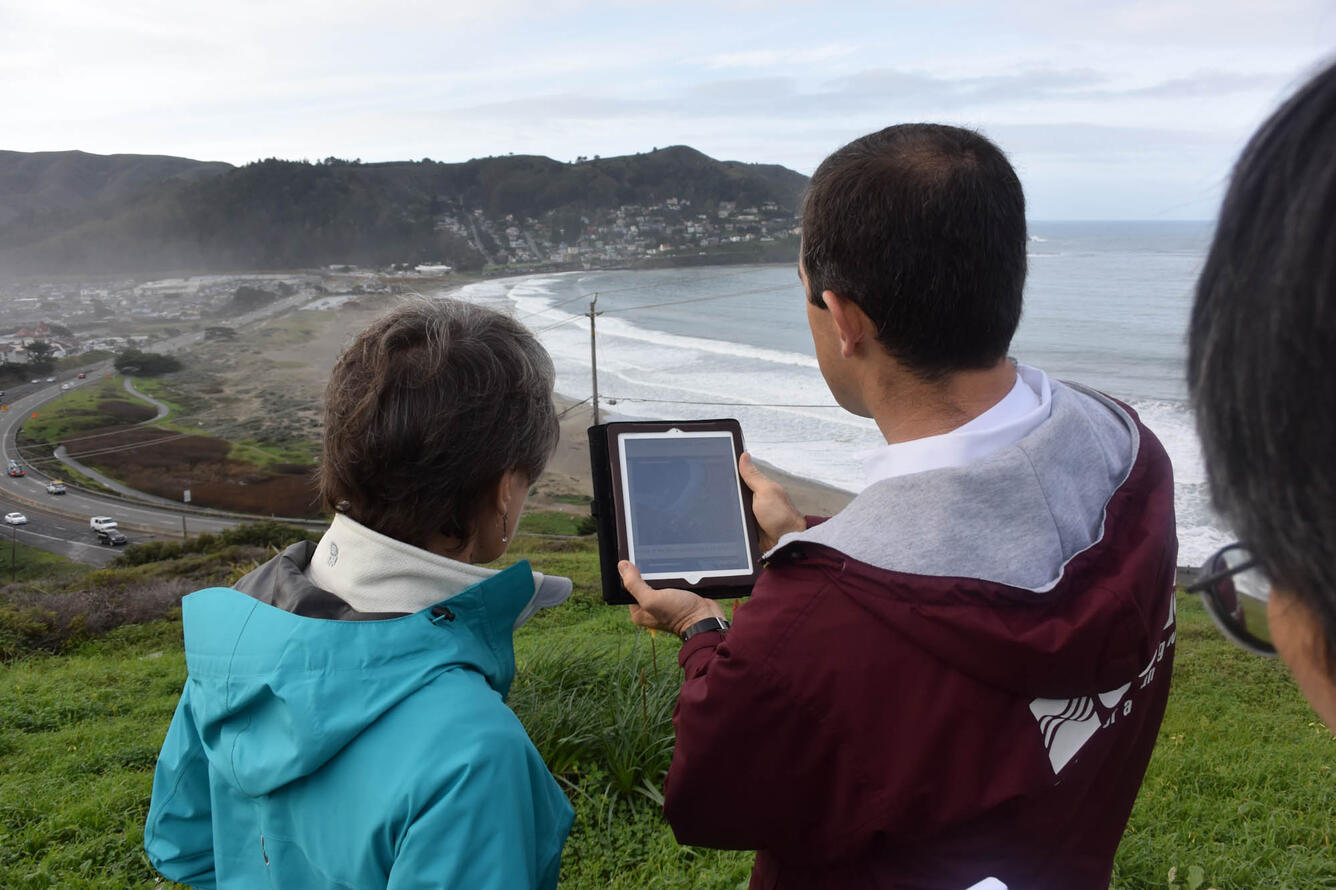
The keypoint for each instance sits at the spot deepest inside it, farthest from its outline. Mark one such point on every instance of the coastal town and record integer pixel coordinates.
(137, 311)
(616, 236)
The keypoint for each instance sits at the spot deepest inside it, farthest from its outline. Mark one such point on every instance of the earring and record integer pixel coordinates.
(505, 522)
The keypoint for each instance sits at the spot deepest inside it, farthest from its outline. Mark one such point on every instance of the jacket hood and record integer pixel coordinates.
(985, 565)
(276, 694)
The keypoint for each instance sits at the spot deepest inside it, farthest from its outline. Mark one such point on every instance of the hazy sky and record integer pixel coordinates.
(1109, 110)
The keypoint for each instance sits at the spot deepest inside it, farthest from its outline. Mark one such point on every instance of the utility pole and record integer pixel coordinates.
(593, 354)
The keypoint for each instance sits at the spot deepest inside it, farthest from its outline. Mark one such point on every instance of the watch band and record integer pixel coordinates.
(704, 626)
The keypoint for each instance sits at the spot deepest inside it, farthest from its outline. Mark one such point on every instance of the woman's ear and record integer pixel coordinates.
(512, 484)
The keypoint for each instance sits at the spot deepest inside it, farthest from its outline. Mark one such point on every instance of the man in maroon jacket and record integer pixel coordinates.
(961, 675)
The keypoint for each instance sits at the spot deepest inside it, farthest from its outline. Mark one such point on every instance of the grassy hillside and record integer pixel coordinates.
(1238, 794)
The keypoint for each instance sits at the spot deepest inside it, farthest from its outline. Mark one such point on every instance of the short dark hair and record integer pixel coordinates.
(1262, 350)
(923, 227)
(425, 412)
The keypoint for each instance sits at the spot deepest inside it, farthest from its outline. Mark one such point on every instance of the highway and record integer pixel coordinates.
(59, 523)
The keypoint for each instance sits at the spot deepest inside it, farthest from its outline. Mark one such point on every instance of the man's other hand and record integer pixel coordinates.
(667, 609)
(774, 512)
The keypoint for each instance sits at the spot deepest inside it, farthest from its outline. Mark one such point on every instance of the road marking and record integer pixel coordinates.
(97, 547)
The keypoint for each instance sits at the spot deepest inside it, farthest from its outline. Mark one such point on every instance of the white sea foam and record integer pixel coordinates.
(1200, 530)
(644, 372)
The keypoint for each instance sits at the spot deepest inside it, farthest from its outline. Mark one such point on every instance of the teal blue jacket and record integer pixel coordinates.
(315, 753)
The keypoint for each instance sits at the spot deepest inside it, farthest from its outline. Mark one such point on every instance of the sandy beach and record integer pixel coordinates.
(306, 357)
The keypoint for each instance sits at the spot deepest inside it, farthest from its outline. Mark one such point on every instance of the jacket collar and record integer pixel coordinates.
(480, 619)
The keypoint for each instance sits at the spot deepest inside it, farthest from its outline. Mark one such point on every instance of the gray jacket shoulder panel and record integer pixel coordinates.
(281, 582)
(1015, 518)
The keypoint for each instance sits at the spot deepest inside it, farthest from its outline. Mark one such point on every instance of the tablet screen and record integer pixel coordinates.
(684, 511)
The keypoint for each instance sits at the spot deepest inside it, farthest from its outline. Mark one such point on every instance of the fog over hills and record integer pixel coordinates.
(71, 212)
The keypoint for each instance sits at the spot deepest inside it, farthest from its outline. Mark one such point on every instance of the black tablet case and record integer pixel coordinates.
(612, 536)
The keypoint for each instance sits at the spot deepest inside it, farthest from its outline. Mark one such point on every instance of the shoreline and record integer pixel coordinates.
(568, 474)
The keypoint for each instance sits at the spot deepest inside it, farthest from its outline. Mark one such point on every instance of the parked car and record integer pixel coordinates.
(16, 519)
(101, 523)
(110, 537)
(55, 486)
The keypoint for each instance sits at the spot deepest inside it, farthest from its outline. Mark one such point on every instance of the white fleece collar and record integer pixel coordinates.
(375, 573)
(1028, 404)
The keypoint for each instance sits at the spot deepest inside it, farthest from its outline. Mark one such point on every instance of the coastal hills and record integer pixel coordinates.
(76, 213)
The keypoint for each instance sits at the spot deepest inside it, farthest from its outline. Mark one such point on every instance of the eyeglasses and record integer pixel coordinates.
(1234, 587)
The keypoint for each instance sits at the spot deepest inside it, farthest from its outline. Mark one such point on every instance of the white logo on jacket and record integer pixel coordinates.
(1066, 724)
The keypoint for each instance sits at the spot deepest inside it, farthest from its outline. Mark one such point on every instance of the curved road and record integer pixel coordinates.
(60, 522)
(163, 408)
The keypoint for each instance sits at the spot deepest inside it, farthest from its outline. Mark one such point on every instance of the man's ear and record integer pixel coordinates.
(850, 320)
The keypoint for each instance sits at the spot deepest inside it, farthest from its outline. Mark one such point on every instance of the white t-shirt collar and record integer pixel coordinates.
(1027, 405)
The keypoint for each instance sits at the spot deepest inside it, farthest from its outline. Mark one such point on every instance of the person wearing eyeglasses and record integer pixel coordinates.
(1262, 374)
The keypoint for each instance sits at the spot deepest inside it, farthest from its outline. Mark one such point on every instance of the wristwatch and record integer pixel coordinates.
(705, 625)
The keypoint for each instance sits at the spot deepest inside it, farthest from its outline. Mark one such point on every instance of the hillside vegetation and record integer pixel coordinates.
(286, 214)
(1238, 794)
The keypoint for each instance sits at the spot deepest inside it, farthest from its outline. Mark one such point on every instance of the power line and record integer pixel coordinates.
(560, 323)
(621, 290)
(569, 408)
(553, 306)
(115, 449)
(740, 293)
(615, 399)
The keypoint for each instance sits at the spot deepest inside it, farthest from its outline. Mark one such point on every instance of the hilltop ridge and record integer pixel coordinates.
(70, 212)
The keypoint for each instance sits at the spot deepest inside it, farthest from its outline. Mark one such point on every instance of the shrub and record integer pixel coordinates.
(269, 535)
(589, 710)
(35, 619)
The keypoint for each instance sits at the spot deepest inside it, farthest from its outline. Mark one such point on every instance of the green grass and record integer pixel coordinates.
(553, 522)
(268, 455)
(1240, 785)
(78, 739)
(32, 564)
(74, 412)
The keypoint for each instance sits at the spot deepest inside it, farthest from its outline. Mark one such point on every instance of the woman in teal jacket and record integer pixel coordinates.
(343, 723)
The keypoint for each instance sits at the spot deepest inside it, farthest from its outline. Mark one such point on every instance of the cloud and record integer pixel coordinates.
(785, 56)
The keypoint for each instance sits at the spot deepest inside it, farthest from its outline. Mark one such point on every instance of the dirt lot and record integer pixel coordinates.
(172, 463)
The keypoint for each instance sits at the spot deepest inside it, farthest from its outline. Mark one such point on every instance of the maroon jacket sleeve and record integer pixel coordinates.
(784, 743)
(738, 778)
(755, 766)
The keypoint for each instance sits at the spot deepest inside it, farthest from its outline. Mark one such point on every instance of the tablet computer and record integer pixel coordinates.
(667, 497)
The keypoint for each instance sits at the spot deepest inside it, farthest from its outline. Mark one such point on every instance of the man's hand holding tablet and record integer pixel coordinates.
(775, 514)
(667, 609)
(676, 610)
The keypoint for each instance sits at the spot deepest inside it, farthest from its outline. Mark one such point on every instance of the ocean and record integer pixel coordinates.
(1106, 304)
